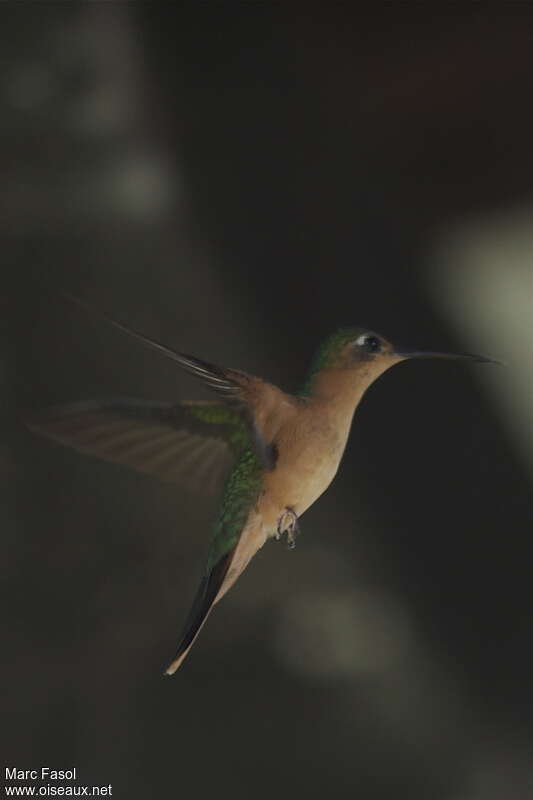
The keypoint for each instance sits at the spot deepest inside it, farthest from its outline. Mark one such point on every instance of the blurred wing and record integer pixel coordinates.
(190, 444)
(237, 389)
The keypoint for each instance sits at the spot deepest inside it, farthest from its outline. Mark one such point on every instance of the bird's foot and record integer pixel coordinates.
(288, 523)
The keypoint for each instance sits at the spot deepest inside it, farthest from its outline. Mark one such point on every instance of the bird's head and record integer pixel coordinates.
(359, 355)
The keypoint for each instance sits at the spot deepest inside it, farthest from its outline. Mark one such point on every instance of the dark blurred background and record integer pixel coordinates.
(237, 180)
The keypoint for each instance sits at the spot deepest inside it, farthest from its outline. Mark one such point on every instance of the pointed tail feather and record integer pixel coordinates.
(203, 603)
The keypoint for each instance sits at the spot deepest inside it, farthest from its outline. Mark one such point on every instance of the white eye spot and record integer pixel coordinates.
(368, 342)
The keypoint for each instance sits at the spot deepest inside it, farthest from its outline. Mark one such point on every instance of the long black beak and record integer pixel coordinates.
(407, 352)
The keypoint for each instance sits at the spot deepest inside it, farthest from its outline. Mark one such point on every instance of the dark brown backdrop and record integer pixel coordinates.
(237, 180)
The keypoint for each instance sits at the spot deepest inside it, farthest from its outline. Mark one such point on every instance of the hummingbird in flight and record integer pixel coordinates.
(278, 451)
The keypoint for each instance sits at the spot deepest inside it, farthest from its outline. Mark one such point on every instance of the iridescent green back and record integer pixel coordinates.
(240, 494)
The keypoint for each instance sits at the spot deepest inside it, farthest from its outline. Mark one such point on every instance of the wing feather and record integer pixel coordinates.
(181, 443)
(235, 388)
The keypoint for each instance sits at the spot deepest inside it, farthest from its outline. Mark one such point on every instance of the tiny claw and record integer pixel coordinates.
(288, 523)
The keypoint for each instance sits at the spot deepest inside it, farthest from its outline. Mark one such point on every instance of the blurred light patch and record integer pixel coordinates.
(346, 634)
(139, 186)
(481, 274)
(503, 771)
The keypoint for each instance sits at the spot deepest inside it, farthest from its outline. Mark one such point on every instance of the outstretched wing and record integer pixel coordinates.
(240, 391)
(191, 444)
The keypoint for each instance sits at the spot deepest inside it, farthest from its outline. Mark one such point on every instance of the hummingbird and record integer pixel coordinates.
(277, 451)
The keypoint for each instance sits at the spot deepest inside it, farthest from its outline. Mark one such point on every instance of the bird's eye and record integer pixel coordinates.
(369, 343)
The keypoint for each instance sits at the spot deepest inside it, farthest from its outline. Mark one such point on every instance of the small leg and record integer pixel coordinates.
(288, 523)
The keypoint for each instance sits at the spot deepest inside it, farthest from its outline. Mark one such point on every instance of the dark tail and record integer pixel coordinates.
(202, 605)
